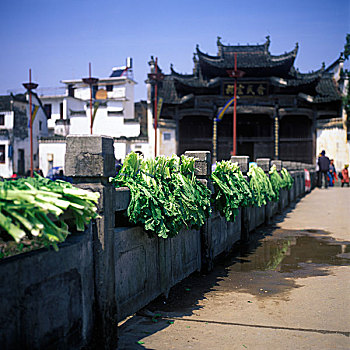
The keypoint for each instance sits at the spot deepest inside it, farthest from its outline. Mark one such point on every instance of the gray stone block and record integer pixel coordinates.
(202, 163)
(122, 198)
(90, 156)
(243, 162)
(278, 164)
(264, 164)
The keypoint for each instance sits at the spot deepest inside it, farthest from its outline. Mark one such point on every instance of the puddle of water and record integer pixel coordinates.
(271, 264)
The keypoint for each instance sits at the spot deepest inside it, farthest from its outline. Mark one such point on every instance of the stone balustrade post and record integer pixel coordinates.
(264, 164)
(242, 161)
(203, 172)
(90, 162)
(278, 164)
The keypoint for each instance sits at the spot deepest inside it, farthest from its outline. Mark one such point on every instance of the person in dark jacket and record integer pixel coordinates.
(323, 163)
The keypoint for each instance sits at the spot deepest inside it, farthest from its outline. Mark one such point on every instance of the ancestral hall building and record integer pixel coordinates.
(277, 107)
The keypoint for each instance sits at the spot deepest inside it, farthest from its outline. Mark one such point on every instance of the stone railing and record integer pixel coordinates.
(74, 297)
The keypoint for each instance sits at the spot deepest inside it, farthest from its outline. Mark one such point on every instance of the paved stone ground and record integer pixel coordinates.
(303, 304)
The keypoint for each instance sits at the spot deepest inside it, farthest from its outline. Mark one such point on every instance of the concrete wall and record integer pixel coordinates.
(75, 296)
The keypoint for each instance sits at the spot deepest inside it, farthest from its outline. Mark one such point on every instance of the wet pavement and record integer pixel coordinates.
(288, 289)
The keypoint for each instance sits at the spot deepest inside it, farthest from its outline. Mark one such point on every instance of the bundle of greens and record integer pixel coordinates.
(231, 189)
(287, 179)
(32, 212)
(260, 185)
(276, 182)
(165, 194)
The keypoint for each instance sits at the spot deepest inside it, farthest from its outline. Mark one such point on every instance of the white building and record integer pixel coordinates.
(333, 135)
(15, 133)
(112, 110)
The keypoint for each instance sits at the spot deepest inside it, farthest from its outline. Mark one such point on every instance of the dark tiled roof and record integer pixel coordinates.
(54, 138)
(167, 90)
(247, 59)
(327, 90)
(5, 101)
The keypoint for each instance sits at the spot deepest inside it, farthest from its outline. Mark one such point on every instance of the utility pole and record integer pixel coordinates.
(90, 81)
(30, 86)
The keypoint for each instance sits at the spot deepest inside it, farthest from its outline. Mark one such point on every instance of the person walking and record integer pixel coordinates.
(323, 163)
(345, 176)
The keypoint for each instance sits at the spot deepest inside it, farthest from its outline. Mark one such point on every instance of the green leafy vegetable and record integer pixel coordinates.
(165, 194)
(287, 179)
(260, 185)
(32, 211)
(231, 189)
(276, 182)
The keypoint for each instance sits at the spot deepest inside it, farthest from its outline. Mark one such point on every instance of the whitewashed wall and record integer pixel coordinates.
(333, 141)
(55, 108)
(6, 168)
(56, 149)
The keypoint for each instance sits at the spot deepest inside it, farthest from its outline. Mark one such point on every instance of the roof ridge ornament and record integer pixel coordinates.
(267, 43)
(218, 42)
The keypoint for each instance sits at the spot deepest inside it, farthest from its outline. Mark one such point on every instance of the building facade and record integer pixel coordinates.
(278, 107)
(113, 114)
(15, 133)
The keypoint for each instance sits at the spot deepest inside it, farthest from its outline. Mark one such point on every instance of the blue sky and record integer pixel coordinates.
(58, 38)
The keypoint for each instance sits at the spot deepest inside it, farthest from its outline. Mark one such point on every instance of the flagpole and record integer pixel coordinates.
(235, 110)
(155, 110)
(31, 126)
(30, 86)
(90, 81)
(235, 74)
(155, 77)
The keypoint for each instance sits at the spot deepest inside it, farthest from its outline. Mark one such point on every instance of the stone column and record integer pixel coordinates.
(90, 162)
(278, 164)
(203, 172)
(264, 164)
(243, 162)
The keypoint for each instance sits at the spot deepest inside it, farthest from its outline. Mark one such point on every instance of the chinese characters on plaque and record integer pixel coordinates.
(246, 89)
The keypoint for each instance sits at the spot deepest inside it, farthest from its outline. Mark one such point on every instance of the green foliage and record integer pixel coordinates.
(260, 185)
(347, 47)
(231, 189)
(32, 212)
(287, 179)
(276, 182)
(165, 194)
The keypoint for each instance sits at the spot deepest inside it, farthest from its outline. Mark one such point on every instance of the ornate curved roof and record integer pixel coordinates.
(253, 59)
(256, 61)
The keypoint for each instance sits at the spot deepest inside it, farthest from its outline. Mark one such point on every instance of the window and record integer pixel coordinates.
(48, 110)
(40, 125)
(2, 119)
(115, 113)
(61, 110)
(70, 90)
(166, 136)
(2, 153)
(109, 87)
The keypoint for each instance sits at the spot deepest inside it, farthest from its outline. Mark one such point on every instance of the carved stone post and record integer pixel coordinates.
(90, 162)
(203, 172)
